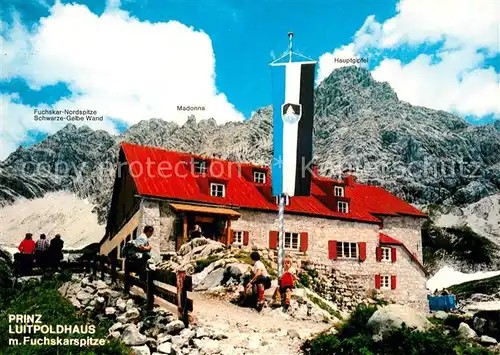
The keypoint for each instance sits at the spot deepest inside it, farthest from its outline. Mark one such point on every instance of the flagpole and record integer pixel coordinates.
(281, 236)
(281, 212)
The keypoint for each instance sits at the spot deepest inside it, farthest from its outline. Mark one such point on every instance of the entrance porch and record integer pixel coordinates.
(215, 222)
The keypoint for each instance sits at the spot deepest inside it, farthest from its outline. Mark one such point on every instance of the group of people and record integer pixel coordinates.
(261, 281)
(41, 253)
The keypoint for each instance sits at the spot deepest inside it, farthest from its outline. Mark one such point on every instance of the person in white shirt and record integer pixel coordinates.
(260, 279)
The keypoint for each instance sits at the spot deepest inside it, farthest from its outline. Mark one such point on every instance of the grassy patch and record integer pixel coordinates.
(487, 286)
(355, 338)
(319, 302)
(201, 264)
(43, 298)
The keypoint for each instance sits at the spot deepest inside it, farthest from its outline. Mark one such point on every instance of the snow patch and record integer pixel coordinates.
(59, 212)
(483, 217)
(447, 277)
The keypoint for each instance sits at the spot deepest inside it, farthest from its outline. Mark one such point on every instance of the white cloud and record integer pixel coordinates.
(113, 63)
(331, 61)
(455, 78)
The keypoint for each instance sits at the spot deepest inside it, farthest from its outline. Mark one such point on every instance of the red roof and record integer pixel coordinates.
(385, 239)
(170, 176)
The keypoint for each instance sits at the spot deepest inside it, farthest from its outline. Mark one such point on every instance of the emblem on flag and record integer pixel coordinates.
(291, 113)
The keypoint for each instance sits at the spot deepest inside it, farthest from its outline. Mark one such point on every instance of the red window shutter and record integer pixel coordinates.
(231, 237)
(304, 241)
(245, 238)
(379, 254)
(377, 282)
(393, 282)
(332, 249)
(393, 254)
(273, 239)
(362, 251)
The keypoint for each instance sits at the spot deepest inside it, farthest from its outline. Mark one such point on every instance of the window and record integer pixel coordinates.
(259, 177)
(347, 250)
(385, 282)
(292, 240)
(200, 166)
(342, 207)
(217, 190)
(338, 191)
(238, 237)
(386, 254)
(287, 200)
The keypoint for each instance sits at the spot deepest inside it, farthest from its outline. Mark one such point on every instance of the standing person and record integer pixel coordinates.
(55, 251)
(286, 283)
(260, 279)
(41, 249)
(25, 256)
(196, 232)
(143, 252)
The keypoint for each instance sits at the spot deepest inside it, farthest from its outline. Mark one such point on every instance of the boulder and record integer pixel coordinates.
(115, 327)
(487, 323)
(132, 315)
(165, 348)
(466, 331)
(140, 350)
(109, 311)
(440, 315)
(131, 336)
(213, 279)
(486, 340)
(175, 327)
(393, 316)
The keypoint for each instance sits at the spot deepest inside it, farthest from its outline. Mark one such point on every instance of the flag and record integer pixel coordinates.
(293, 90)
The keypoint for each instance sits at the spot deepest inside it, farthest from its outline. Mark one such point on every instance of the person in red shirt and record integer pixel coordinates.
(27, 246)
(24, 259)
(286, 283)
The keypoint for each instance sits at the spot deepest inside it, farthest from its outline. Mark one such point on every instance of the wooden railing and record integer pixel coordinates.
(182, 282)
(152, 287)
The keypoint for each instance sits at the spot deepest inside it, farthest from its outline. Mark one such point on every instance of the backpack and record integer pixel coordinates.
(129, 251)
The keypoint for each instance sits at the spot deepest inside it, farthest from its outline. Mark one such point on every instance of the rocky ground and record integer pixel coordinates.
(219, 328)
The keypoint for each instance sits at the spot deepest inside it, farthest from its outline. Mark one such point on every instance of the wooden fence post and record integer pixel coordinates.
(113, 269)
(182, 298)
(126, 280)
(150, 289)
(94, 266)
(103, 266)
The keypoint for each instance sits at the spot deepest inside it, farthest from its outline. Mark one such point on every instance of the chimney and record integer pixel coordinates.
(348, 176)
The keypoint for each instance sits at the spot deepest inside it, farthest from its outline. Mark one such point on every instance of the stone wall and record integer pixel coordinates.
(410, 279)
(408, 230)
(150, 216)
(167, 237)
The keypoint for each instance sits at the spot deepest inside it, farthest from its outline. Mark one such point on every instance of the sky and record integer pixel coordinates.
(134, 60)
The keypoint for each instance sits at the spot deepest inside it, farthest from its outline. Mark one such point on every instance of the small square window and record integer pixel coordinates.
(292, 241)
(259, 177)
(385, 282)
(200, 166)
(217, 190)
(238, 237)
(386, 254)
(342, 207)
(338, 191)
